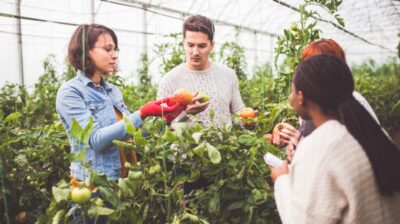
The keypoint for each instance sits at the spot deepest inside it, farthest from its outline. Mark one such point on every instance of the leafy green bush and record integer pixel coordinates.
(380, 85)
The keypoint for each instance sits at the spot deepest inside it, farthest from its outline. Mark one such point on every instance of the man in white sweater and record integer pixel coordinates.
(200, 74)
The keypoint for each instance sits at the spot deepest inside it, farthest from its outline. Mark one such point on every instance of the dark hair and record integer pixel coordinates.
(328, 82)
(83, 40)
(199, 23)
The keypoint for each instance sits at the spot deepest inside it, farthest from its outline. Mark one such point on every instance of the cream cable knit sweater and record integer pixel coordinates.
(330, 180)
(218, 82)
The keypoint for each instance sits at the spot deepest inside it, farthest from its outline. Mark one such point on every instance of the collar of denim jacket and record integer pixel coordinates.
(85, 80)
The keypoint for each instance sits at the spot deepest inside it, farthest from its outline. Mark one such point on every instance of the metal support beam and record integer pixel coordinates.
(19, 39)
(92, 12)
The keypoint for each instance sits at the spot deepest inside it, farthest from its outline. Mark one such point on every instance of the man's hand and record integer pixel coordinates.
(250, 125)
(196, 107)
(278, 171)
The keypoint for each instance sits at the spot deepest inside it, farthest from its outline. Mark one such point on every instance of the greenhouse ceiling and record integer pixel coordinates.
(371, 29)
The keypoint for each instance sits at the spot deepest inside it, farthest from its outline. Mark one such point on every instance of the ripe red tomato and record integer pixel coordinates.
(182, 96)
(247, 112)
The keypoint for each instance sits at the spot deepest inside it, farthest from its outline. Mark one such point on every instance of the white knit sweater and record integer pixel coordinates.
(218, 82)
(330, 180)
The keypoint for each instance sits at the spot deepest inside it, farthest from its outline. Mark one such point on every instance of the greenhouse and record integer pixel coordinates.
(183, 111)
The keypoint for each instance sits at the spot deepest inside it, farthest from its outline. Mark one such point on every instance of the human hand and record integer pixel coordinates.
(250, 124)
(171, 116)
(291, 137)
(196, 107)
(157, 108)
(276, 172)
(283, 134)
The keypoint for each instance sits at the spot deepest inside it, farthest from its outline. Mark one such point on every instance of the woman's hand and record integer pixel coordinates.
(278, 171)
(288, 136)
(158, 108)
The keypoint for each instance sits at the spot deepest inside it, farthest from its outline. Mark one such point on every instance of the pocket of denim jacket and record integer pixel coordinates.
(99, 111)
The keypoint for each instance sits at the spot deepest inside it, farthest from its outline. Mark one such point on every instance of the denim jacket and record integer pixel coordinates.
(81, 98)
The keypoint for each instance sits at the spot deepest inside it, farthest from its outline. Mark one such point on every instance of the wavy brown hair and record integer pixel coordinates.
(83, 40)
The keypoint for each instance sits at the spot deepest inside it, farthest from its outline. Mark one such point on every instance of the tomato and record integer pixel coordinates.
(80, 195)
(28, 178)
(277, 129)
(204, 97)
(293, 26)
(268, 137)
(182, 96)
(247, 112)
(154, 169)
(21, 217)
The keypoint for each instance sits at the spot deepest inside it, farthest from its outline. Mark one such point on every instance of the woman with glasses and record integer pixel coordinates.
(93, 52)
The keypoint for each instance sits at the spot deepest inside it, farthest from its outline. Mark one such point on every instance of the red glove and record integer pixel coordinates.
(154, 108)
(171, 116)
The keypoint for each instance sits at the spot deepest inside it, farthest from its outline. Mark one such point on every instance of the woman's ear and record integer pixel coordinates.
(300, 98)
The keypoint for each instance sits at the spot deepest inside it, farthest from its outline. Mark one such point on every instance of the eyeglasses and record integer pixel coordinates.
(110, 51)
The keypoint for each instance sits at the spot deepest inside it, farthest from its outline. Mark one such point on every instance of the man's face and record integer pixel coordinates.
(197, 49)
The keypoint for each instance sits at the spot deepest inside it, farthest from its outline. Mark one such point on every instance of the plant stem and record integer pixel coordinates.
(3, 189)
(166, 191)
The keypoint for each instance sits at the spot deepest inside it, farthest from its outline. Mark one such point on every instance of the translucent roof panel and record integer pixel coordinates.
(371, 27)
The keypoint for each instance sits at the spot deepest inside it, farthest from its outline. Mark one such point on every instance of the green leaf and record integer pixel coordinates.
(127, 187)
(179, 129)
(76, 130)
(213, 205)
(87, 131)
(12, 117)
(78, 156)
(98, 210)
(199, 150)
(129, 127)
(248, 140)
(98, 179)
(169, 136)
(196, 136)
(58, 217)
(60, 194)
(21, 160)
(139, 139)
(395, 107)
(109, 195)
(212, 114)
(236, 205)
(213, 153)
(134, 175)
